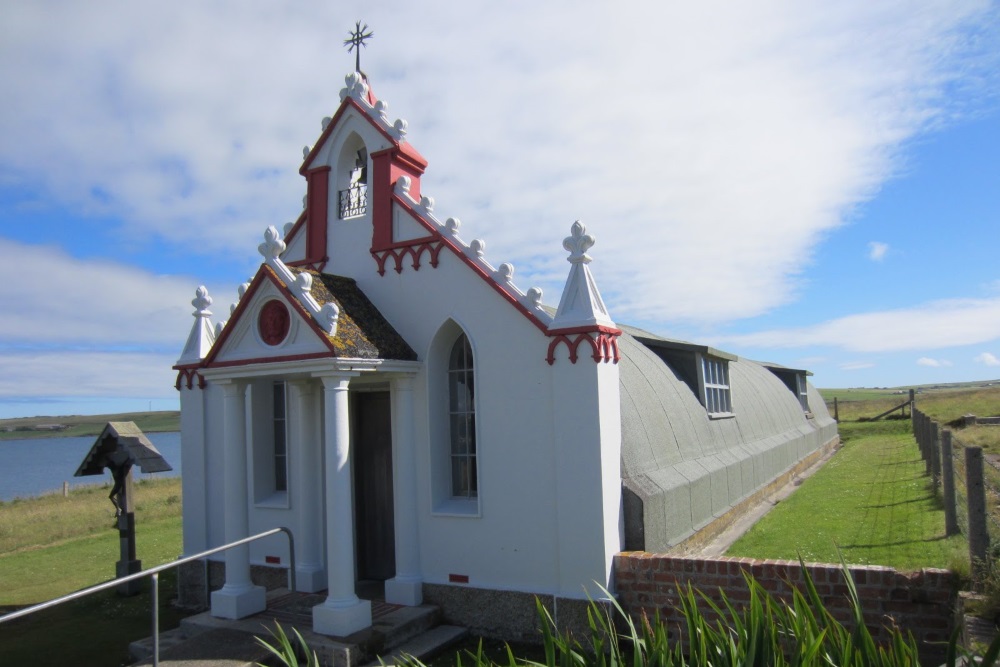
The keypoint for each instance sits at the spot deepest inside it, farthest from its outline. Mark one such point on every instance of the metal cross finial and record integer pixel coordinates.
(357, 39)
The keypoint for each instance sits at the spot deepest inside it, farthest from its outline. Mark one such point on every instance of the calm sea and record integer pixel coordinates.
(41, 465)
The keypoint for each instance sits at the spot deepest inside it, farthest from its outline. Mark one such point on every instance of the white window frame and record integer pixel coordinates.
(716, 391)
(279, 434)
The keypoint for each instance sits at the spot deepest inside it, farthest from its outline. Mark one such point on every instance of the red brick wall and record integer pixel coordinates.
(921, 602)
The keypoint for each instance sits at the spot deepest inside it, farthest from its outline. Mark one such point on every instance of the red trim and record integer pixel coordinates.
(317, 210)
(273, 560)
(604, 345)
(458, 578)
(188, 373)
(388, 166)
(414, 250)
(264, 273)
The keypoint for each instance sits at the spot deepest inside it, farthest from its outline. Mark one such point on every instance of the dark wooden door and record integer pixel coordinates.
(373, 514)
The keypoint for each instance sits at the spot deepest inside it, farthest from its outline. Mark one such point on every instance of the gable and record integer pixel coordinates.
(268, 325)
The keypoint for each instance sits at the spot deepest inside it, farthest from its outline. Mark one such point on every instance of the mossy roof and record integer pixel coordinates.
(362, 331)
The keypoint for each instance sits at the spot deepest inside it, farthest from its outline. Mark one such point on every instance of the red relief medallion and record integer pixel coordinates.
(273, 322)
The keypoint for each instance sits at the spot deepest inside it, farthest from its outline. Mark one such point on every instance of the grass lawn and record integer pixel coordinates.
(51, 546)
(871, 502)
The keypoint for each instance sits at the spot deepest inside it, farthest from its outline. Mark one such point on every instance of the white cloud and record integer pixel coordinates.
(856, 365)
(931, 325)
(54, 300)
(715, 130)
(877, 251)
(987, 359)
(933, 363)
(92, 374)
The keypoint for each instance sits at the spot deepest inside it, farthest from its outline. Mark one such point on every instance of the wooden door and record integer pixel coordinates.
(373, 511)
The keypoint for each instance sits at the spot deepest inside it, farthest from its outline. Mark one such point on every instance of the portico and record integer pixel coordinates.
(320, 453)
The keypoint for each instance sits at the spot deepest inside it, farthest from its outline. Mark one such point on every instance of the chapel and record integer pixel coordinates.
(417, 419)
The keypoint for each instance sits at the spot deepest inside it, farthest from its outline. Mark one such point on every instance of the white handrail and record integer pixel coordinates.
(154, 573)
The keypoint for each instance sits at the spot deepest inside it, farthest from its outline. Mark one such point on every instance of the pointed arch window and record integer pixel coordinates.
(354, 198)
(462, 417)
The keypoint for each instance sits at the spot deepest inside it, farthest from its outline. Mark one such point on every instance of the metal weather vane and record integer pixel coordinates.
(357, 39)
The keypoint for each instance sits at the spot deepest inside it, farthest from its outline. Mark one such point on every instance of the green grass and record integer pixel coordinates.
(871, 503)
(81, 425)
(51, 546)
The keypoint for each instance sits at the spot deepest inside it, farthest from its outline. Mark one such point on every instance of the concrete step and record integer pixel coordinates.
(424, 645)
(403, 624)
(214, 648)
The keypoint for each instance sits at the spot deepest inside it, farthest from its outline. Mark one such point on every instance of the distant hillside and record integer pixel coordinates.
(81, 425)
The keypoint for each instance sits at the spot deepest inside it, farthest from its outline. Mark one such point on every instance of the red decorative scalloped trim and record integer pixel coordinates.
(603, 344)
(186, 376)
(414, 250)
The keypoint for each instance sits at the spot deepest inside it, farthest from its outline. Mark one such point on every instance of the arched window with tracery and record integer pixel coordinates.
(462, 417)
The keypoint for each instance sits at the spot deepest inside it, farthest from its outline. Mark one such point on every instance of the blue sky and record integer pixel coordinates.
(808, 183)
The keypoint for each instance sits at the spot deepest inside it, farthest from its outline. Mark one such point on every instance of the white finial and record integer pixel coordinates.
(305, 152)
(506, 271)
(325, 123)
(286, 230)
(304, 281)
(400, 128)
(328, 316)
(273, 246)
(232, 309)
(427, 203)
(381, 107)
(535, 296)
(452, 225)
(478, 247)
(581, 304)
(403, 185)
(201, 338)
(219, 327)
(201, 302)
(578, 243)
(305, 200)
(242, 289)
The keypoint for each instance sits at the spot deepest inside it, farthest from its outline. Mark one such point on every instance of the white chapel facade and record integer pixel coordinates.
(414, 417)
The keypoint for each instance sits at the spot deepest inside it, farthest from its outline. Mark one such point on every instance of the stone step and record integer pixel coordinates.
(220, 647)
(424, 645)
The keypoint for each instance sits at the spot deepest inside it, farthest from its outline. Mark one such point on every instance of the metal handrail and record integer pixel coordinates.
(154, 573)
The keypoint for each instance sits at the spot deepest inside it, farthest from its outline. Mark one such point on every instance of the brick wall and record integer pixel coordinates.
(921, 602)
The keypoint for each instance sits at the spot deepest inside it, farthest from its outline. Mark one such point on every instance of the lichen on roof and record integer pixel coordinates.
(362, 331)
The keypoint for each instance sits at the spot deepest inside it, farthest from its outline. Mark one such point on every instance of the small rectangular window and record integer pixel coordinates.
(803, 390)
(280, 439)
(715, 374)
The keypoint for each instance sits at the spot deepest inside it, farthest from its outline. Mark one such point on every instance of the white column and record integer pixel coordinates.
(238, 598)
(407, 586)
(307, 456)
(342, 613)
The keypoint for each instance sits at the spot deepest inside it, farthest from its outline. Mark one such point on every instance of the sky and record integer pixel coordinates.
(809, 183)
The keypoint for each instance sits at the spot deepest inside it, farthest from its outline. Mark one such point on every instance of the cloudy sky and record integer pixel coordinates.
(811, 183)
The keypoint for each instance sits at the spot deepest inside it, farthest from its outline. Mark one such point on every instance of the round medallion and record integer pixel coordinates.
(273, 322)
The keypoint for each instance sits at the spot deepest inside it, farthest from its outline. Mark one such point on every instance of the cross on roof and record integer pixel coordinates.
(357, 39)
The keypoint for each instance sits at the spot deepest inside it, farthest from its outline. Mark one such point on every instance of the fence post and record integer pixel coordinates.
(912, 403)
(836, 410)
(948, 484)
(936, 455)
(929, 447)
(979, 538)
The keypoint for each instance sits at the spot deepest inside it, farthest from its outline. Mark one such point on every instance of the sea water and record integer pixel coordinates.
(41, 465)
